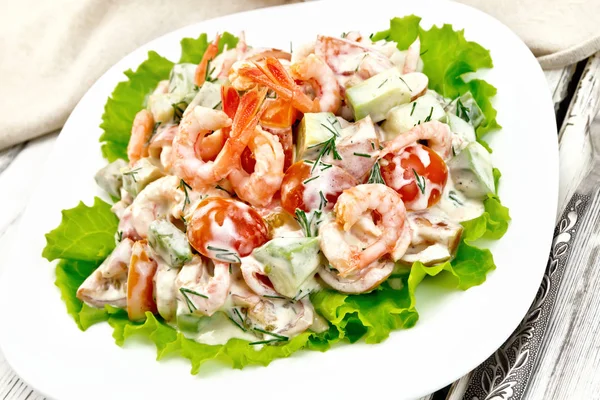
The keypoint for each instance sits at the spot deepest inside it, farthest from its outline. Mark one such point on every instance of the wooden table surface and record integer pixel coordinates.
(569, 368)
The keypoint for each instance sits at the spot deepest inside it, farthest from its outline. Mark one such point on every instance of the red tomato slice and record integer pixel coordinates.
(225, 229)
(309, 188)
(140, 285)
(418, 174)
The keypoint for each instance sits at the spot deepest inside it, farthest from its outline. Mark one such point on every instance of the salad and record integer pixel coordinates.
(266, 200)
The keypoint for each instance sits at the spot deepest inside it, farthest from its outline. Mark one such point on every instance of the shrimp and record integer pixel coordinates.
(161, 144)
(155, 201)
(412, 57)
(365, 281)
(203, 285)
(271, 73)
(165, 292)
(350, 60)
(279, 316)
(108, 283)
(242, 130)
(192, 130)
(392, 232)
(141, 131)
(259, 187)
(223, 62)
(438, 137)
(317, 73)
(210, 53)
(256, 278)
(303, 51)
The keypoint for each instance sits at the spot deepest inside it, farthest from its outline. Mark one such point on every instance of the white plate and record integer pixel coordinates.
(456, 331)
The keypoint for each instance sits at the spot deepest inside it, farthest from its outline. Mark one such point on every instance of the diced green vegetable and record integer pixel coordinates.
(471, 171)
(181, 79)
(140, 175)
(110, 179)
(189, 322)
(378, 94)
(289, 262)
(467, 109)
(461, 128)
(315, 128)
(404, 117)
(169, 242)
(208, 96)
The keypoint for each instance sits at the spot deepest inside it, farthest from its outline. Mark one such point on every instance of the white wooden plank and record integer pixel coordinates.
(571, 370)
(575, 149)
(558, 82)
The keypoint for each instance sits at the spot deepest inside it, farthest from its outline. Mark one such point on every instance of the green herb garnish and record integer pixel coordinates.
(452, 196)
(429, 116)
(307, 224)
(328, 147)
(403, 81)
(420, 181)
(133, 173)
(375, 175)
(184, 186)
(362, 155)
(310, 179)
(178, 110)
(412, 110)
(225, 255)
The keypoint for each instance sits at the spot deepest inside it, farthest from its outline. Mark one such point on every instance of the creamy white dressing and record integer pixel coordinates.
(456, 205)
(218, 329)
(165, 291)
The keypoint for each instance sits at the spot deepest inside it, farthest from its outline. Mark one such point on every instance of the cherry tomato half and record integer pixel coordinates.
(305, 187)
(140, 285)
(418, 174)
(225, 229)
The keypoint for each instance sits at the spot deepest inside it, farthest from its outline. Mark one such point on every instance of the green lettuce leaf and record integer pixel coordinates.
(447, 56)
(126, 100)
(84, 234)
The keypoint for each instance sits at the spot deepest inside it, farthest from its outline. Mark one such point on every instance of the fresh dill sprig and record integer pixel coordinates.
(190, 304)
(412, 110)
(311, 179)
(225, 255)
(323, 202)
(327, 147)
(223, 189)
(462, 111)
(403, 81)
(375, 175)
(133, 173)
(184, 186)
(178, 110)
(310, 226)
(362, 155)
(429, 116)
(452, 196)
(420, 181)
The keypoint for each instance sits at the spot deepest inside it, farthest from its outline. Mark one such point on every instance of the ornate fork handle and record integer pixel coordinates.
(505, 374)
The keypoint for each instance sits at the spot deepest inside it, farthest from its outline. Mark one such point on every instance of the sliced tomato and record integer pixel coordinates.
(417, 173)
(309, 188)
(226, 229)
(140, 285)
(278, 113)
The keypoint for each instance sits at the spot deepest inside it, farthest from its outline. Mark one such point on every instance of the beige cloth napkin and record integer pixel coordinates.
(52, 51)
